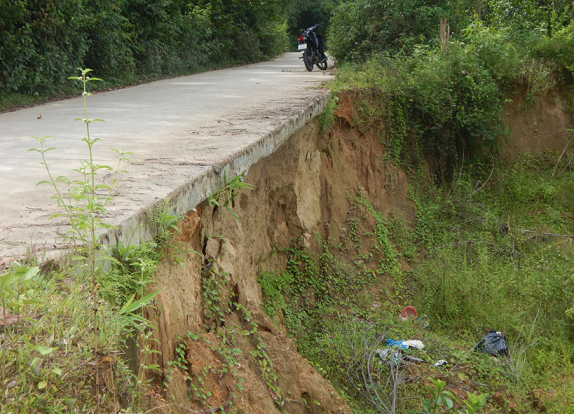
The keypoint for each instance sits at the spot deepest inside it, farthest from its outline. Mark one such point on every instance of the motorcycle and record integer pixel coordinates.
(311, 44)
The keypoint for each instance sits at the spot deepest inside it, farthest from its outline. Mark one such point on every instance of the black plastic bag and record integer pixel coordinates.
(494, 343)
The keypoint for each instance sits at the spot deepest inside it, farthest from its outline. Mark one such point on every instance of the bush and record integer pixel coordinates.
(361, 28)
(44, 40)
(493, 49)
(559, 48)
(430, 104)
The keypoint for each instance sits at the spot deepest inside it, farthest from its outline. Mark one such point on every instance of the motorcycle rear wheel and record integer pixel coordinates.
(322, 65)
(308, 59)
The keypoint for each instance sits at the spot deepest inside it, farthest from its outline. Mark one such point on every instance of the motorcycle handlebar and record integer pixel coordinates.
(312, 28)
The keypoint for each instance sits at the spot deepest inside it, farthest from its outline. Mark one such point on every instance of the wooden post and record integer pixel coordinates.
(444, 34)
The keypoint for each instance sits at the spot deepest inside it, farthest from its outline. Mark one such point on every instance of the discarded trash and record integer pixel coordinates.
(393, 355)
(396, 344)
(389, 355)
(415, 343)
(494, 343)
(412, 359)
(423, 321)
(408, 313)
(383, 353)
(440, 363)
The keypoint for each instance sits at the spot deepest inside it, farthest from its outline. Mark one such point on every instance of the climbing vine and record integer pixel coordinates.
(219, 302)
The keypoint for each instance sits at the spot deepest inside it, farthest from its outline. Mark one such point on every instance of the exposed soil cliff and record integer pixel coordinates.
(300, 189)
(535, 124)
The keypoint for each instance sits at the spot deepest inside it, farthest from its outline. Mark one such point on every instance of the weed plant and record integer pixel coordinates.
(225, 193)
(49, 359)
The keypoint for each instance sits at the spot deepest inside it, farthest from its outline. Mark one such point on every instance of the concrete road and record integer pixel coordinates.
(177, 129)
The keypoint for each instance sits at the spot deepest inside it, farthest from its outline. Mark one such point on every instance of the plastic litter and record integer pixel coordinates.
(392, 355)
(414, 343)
(440, 363)
(389, 355)
(494, 343)
(383, 353)
(408, 312)
(396, 344)
(423, 321)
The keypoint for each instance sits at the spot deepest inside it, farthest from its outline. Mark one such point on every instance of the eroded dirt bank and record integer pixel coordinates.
(300, 189)
(218, 348)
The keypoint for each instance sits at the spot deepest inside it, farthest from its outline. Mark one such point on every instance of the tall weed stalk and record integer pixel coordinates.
(83, 201)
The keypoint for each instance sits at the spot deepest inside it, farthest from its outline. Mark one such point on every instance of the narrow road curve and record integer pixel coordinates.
(176, 129)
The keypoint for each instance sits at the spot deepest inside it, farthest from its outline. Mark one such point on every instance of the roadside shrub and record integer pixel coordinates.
(431, 105)
(559, 48)
(44, 40)
(41, 43)
(107, 33)
(361, 28)
(168, 37)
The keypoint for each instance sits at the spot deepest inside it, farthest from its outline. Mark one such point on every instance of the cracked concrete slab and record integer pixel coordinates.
(183, 133)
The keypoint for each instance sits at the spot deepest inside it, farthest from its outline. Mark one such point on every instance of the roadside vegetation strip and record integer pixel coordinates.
(127, 41)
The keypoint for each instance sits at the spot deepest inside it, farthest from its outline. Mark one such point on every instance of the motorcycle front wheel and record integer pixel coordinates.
(308, 59)
(322, 65)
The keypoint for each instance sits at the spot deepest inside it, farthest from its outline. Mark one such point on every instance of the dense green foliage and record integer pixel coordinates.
(431, 106)
(488, 250)
(42, 41)
(443, 102)
(361, 28)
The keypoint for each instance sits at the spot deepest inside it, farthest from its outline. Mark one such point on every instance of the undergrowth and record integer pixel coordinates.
(489, 250)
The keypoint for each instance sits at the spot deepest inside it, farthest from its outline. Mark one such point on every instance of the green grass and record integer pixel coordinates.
(49, 364)
(486, 251)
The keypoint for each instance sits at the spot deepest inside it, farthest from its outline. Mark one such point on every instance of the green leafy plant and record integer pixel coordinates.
(84, 201)
(12, 293)
(226, 192)
(442, 398)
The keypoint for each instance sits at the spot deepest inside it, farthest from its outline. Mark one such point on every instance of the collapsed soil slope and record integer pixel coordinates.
(300, 189)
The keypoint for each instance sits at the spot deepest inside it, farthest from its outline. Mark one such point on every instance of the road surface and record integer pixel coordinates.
(177, 129)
